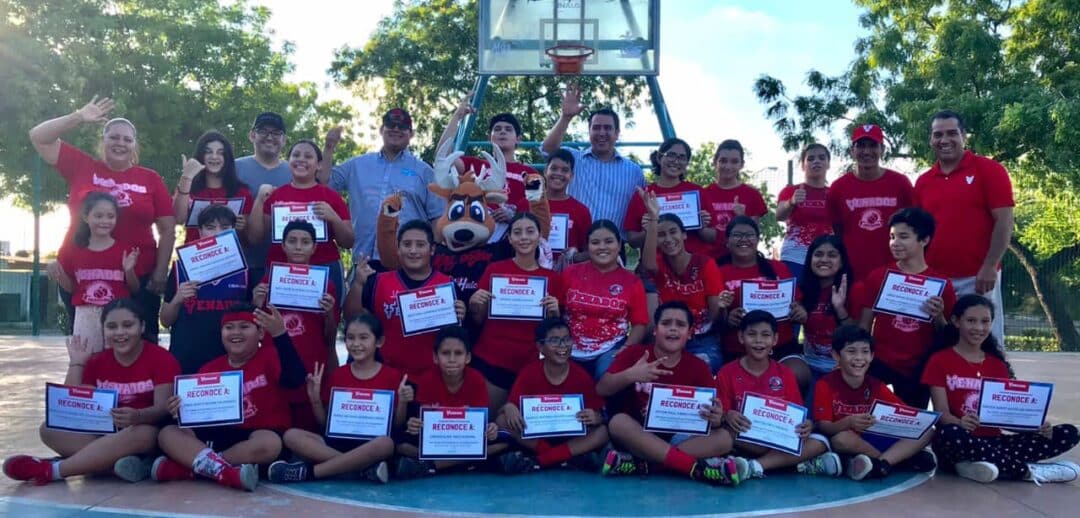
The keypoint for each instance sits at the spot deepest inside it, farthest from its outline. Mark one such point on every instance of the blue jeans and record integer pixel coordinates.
(707, 347)
(599, 365)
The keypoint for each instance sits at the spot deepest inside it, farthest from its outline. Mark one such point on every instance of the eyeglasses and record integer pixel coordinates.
(563, 342)
(675, 157)
(744, 236)
(396, 126)
(270, 133)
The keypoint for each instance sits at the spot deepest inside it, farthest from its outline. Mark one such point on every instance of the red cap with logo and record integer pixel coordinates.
(870, 131)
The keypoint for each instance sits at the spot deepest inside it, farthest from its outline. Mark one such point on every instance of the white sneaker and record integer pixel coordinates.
(984, 472)
(1059, 471)
(756, 471)
(859, 467)
(827, 464)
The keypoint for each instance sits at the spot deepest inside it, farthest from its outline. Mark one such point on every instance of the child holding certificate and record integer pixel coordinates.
(554, 375)
(558, 174)
(529, 293)
(325, 456)
(209, 179)
(669, 167)
(981, 453)
(98, 269)
(313, 333)
(141, 372)
(234, 451)
(842, 403)
(904, 333)
(638, 371)
(746, 263)
(192, 312)
(452, 384)
(760, 375)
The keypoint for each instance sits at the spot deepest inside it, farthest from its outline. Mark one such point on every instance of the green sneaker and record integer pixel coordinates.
(619, 463)
(827, 464)
(716, 471)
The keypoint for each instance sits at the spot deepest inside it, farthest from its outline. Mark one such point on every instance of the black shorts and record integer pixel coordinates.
(343, 445)
(497, 376)
(221, 438)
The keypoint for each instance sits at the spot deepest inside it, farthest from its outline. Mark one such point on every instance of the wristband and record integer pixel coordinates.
(178, 191)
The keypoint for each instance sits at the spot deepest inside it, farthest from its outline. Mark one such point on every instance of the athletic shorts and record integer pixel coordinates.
(343, 445)
(879, 442)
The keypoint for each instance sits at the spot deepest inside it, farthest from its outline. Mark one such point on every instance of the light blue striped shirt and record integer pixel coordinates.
(605, 187)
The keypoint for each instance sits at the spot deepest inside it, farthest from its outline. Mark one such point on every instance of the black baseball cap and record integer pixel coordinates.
(270, 119)
(399, 117)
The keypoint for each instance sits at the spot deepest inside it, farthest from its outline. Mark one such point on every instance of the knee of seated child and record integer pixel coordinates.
(294, 435)
(621, 423)
(267, 445)
(383, 445)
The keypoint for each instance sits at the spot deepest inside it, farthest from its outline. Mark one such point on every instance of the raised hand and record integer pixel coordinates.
(571, 101)
(645, 371)
(129, 259)
(726, 298)
(185, 291)
(464, 106)
(839, 293)
(270, 322)
(493, 177)
(405, 391)
(652, 207)
(391, 206)
(241, 223)
(190, 167)
(96, 110)
(362, 270)
(264, 191)
(314, 382)
(799, 196)
(738, 208)
(333, 137)
(78, 350)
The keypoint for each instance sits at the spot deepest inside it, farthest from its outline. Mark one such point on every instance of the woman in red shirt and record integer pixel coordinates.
(729, 196)
(669, 164)
(209, 178)
(802, 208)
(142, 375)
(141, 194)
(506, 344)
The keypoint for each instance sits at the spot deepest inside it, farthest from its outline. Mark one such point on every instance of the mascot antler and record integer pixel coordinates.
(493, 178)
(445, 176)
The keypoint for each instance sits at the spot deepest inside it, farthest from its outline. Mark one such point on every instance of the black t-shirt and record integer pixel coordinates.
(467, 267)
(196, 335)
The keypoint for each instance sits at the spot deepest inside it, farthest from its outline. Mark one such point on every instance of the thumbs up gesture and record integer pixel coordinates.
(738, 208)
(405, 391)
(799, 196)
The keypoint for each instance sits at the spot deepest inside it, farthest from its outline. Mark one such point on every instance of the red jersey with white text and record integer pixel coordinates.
(818, 330)
(601, 307)
(862, 209)
(834, 399)
(265, 405)
(733, 278)
(98, 274)
(431, 390)
(636, 210)
(808, 221)
(691, 371)
(388, 378)
(326, 251)
(720, 203)
(532, 381)
(734, 381)
(509, 344)
(962, 381)
(134, 383)
(411, 354)
(701, 279)
(216, 196)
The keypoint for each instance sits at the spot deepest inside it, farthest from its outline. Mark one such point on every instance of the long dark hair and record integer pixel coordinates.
(950, 335)
(125, 303)
(82, 232)
(765, 266)
(229, 179)
(654, 157)
(809, 283)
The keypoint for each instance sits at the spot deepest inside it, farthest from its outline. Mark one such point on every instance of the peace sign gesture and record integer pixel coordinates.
(96, 110)
(314, 383)
(645, 371)
(362, 270)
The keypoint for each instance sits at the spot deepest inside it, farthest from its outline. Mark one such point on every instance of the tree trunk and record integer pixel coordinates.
(1049, 292)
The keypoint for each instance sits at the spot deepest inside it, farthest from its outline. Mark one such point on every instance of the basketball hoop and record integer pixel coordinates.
(569, 59)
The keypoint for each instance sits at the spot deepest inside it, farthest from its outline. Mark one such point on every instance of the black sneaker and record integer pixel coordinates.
(378, 473)
(409, 467)
(716, 471)
(924, 461)
(619, 463)
(517, 462)
(282, 472)
(590, 462)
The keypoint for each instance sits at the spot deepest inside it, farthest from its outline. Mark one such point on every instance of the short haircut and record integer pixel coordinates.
(757, 316)
(730, 144)
(366, 319)
(605, 111)
(677, 305)
(949, 114)
(505, 117)
(848, 334)
(548, 325)
(298, 224)
(561, 154)
(919, 220)
(417, 224)
(452, 333)
(217, 214)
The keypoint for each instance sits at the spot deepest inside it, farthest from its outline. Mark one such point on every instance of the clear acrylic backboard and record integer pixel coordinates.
(515, 35)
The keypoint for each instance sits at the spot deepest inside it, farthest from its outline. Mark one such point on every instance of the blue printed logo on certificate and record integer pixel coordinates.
(212, 258)
(79, 409)
(553, 415)
(210, 399)
(298, 287)
(359, 413)
(772, 423)
(1014, 404)
(453, 433)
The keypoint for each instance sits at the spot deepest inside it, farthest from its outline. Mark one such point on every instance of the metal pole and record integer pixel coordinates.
(662, 115)
(465, 129)
(35, 296)
(790, 172)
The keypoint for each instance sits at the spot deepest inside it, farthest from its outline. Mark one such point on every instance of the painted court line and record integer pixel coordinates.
(102, 509)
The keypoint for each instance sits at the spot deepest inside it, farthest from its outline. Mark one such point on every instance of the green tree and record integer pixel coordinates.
(1012, 69)
(423, 57)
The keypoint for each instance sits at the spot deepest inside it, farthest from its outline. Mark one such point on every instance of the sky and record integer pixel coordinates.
(711, 53)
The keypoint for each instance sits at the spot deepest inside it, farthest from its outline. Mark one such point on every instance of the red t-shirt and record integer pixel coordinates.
(720, 202)
(808, 221)
(265, 404)
(509, 344)
(962, 381)
(734, 381)
(307, 331)
(961, 204)
(98, 276)
(691, 371)
(411, 354)
(636, 210)
(216, 196)
(601, 307)
(701, 280)
(531, 381)
(515, 179)
(431, 390)
(900, 342)
(733, 277)
(578, 221)
(388, 378)
(134, 384)
(862, 209)
(834, 399)
(326, 251)
(140, 193)
(818, 330)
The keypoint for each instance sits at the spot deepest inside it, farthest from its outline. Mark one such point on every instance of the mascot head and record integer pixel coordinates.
(466, 223)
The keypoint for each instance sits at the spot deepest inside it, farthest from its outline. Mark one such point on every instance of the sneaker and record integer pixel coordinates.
(984, 472)
(409, 467)
(924, 461)
(25, 467)
(619, 463)
(1059, 471)
(378, 473)
(281, 472)
(827, 464)
(165, 469)
(517, 462)
(244, 476)
(859, 467)
(133, 468)
(756, 471)
(716, 471)
(590, 462)
(742, 469)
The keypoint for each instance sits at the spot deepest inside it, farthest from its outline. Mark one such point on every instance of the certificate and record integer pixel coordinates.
(685, 205)
(677, 409)
(773, 422)
(197, 206)
(212, 258)
(552, 415)
(560, 229)
(298, 286)
(282, 213)
(359, 413)
(772, 296)
(1012, 404)
(901, 421)
(517, 297)
(453, 433)
(903, 294)
(210, 399)
(79, 409)
(427, 309)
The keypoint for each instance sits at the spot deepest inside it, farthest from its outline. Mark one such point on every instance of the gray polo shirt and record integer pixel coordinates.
(370, 178)
(254, 175)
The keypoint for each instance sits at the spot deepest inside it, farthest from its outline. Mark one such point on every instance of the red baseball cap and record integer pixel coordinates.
(870, 131)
